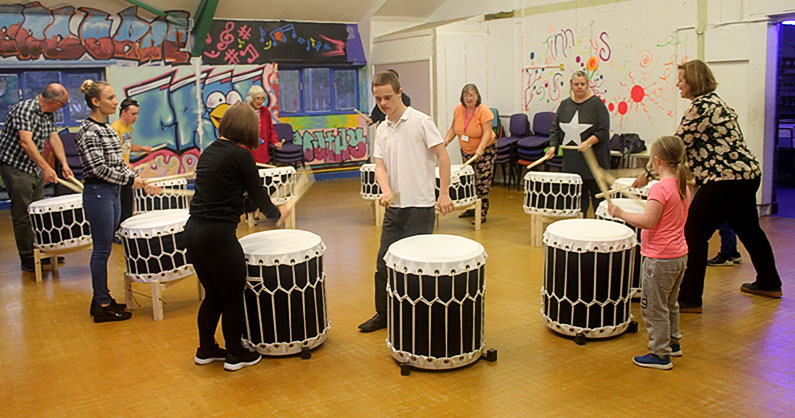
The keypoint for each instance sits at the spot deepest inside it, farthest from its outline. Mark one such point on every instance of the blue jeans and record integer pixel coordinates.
(102, 205)
(728, 239)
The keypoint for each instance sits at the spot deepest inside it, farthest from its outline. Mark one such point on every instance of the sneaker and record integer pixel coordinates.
(736, 258)
(245, 358)
(755, 290)
(373, 324)
(469, 213)
(653, 361)
(108, 314)
(688, 308)
(113, 305)
(676, 350)
(209, 355)
(721, 260)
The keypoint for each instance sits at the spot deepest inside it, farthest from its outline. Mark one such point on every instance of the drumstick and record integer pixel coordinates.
(617, 190)
(569, 147)
(304, 181)
(263, 165)
(469, 161)
(76, 182)
(139, 153)
(361, 114)
(69, 185)
(164, 178)
(593, 164)
(539, 161)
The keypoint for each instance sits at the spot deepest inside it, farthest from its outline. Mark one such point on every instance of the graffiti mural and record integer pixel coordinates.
(634, 83)
(233, 42)
(31, 31)
(343, 145)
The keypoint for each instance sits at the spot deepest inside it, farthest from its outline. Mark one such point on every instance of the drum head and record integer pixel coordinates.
(56, 203)
(435, 254)
(155, 223)
(589, 235)
(367, 167)
(546, 177)
(281, 246)
(276, 171)
(629, 205)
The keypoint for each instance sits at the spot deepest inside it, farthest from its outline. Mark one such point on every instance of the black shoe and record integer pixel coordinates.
(244, 358)
(108, 314)
(29, 267)
(721, 260)
(482, 220)
(373, 324)
(120, 307)
(117, 239)
(209, 355)
(46, 261)
(469, 213)
(688, 308)
(753, 289)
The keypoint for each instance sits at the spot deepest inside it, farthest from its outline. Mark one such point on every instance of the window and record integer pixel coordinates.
(318, 90)
(16, 85)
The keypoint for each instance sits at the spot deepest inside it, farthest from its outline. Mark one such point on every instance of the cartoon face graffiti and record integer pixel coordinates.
(217, 103)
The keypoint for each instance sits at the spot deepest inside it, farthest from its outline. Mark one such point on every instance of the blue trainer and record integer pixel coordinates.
(653, 361)
(676, 350)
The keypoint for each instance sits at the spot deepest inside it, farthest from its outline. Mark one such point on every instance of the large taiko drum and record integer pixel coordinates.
(462, 185)
(588, 265)
(630, 206)
(279, 183)
(553, 194)
(154, 247)
(144, 202)
(435, 289)
(369, 187)
(59, 223)
(285, 295)
(626, 183)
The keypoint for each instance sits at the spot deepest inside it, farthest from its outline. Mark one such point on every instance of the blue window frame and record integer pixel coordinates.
(312, 91)
(17, 85)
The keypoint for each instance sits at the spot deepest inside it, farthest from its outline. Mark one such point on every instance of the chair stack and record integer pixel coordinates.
(506, 156)
(534, 147)
(291, 153)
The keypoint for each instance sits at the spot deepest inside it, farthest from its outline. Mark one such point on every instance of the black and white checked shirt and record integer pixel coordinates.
(25, 116)
(100, 152)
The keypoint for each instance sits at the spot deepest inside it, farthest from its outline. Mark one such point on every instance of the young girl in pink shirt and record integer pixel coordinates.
(664, 250)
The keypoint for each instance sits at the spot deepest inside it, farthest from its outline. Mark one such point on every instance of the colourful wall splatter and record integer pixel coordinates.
(330, 141)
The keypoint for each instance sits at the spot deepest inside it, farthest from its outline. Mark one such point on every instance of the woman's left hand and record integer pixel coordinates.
(278, 145)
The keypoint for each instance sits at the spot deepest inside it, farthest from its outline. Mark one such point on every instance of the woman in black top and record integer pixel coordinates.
(225, 173)
(582, 120)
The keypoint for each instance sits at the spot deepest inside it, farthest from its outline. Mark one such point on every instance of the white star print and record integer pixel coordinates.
(573, 129)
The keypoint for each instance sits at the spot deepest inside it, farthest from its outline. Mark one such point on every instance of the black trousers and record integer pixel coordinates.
(733, 201)
(399, 223)
(218, 259)
(126, 195)
(589, 191)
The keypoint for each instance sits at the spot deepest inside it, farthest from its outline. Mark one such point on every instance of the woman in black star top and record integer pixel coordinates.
(225, 173)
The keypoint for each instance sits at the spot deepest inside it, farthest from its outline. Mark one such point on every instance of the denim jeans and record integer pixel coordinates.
(728, 240)
(102, 206)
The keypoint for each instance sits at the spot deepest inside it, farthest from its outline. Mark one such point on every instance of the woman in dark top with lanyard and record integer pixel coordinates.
(225, 173)
(582, 120)
(727, 175)
(104, 172)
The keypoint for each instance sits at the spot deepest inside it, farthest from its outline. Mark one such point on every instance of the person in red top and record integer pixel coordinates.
(664, 250)
(256, 99)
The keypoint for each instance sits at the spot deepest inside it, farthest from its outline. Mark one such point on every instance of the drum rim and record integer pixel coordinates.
(276, 170)
(293, 257)
(621, 202)
(178, 273)
(625, 240)
(400, 262)
(571, 178)
(162, 228)
(56, 202)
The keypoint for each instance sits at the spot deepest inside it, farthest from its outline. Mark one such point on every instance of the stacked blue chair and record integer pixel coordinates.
(496, 123)
(506, 147)
(291, 153)
(533, 147)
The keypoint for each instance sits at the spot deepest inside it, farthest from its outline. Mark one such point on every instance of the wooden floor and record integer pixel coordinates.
(54, 361)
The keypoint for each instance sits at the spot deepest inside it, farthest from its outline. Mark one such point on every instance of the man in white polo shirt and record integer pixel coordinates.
(407, 148)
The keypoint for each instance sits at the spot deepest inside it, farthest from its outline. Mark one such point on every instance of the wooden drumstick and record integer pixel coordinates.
(76, 182)
(611, 192)
(570, 147)
(539, 161)
(263, 165)
(361, 114)
(69, 185)
(469, 161)
(140, 153)
(173, 177)
(304, 181)
(593, 165)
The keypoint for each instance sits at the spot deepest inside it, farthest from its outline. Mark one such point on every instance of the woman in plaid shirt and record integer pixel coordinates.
(104, 172)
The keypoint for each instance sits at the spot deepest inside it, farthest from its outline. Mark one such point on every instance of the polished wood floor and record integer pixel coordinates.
(738, 356)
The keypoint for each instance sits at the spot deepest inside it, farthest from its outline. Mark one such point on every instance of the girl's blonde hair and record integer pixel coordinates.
(671, 150)
(92, 90)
